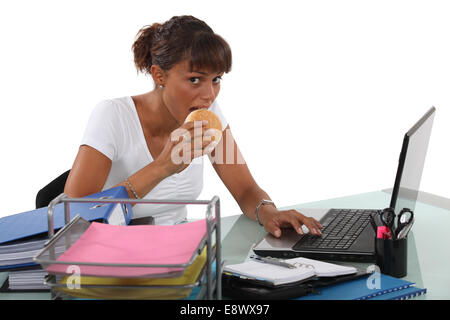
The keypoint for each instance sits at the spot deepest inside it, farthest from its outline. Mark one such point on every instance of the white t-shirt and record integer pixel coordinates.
(114, 129)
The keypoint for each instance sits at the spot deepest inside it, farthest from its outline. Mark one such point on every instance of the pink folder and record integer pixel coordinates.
(141, 244)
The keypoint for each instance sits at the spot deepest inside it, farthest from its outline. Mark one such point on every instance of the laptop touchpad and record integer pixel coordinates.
(288, 238)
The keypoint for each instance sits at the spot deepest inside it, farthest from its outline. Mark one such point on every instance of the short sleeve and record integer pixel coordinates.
(102, 131)
(216, 109)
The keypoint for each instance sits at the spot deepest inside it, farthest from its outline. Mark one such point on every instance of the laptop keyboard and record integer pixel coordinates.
(340, 229)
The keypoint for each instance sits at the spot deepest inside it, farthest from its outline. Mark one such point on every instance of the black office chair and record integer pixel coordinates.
(51, 191)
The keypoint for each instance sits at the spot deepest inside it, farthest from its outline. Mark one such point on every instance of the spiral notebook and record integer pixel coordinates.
(278, 275)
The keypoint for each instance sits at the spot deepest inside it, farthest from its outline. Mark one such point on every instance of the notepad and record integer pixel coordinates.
(278, 275)
(138, 245)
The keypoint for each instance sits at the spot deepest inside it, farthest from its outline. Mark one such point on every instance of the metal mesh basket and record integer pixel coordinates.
(167, 280)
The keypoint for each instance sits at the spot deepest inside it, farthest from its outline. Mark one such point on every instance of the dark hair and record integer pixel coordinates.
(180, 38)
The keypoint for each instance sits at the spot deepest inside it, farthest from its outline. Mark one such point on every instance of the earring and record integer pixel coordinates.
(161, 86)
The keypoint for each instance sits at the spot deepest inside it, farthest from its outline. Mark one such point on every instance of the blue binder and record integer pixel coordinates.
(25, 225)
(30, 226)
(360, 290)
(404, 294)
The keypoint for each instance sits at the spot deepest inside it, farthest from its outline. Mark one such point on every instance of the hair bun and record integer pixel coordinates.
(143, 45)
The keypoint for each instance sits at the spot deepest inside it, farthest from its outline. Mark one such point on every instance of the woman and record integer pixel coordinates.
(130, 141)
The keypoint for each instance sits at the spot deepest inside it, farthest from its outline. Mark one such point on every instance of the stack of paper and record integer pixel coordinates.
(126, 251)
(20, 254)
(135, 288)
(24, 280)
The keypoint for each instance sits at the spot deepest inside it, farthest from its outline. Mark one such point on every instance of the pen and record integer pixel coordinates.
(273, 261)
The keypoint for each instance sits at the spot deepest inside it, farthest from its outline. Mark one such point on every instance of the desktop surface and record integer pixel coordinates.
(428, 256)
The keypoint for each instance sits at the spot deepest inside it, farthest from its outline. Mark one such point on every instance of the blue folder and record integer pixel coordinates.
(31, 223)
(404, 294)
(361, 289)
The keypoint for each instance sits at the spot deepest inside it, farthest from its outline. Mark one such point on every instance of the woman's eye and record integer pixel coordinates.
(217, 79)
(194, 80)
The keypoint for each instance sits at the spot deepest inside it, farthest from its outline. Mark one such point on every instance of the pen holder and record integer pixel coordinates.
(392, 256)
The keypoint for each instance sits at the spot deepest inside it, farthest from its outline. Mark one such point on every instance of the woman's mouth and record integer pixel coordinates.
(197, 108)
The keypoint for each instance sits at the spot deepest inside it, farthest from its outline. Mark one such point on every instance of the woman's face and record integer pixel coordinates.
(185, 90)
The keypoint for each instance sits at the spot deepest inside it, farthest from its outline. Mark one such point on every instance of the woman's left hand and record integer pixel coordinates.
(273, 220)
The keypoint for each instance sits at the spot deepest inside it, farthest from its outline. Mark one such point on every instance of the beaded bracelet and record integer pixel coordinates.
(131, 188)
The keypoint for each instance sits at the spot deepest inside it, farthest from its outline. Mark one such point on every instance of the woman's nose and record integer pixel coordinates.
(208, 93)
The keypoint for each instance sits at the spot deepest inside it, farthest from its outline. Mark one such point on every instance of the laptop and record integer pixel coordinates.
(347, 234)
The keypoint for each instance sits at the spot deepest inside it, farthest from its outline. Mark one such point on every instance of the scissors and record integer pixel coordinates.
(387, 217)
(405, 220)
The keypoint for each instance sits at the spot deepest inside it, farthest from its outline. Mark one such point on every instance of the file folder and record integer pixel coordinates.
(20, 233)
(137, 288)
(25, 225)
(128, 251)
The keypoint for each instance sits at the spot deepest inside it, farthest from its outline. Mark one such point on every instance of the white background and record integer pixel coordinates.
(319, 97)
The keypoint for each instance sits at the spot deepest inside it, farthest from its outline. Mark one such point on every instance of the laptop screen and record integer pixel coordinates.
(411, 162)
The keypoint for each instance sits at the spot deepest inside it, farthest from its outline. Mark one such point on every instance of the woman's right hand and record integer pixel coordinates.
(184, 144)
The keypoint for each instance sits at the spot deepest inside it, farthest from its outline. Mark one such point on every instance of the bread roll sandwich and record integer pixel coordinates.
(213, 128)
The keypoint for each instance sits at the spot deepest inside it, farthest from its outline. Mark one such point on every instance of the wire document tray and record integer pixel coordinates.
(199, 278)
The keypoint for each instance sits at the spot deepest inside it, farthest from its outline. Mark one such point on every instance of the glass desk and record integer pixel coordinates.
(428, 243)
